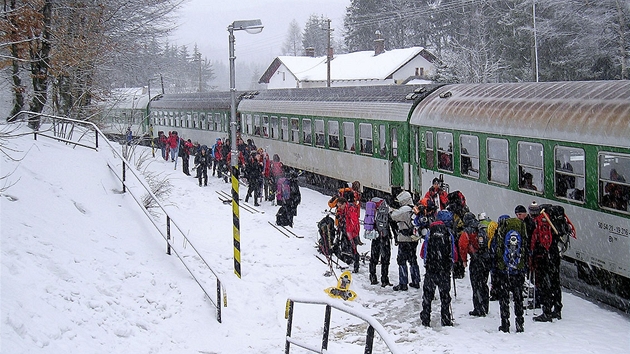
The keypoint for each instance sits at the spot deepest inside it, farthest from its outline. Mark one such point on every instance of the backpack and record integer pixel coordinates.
(438, 248)
(482, 237)
(562, 224)
(510, 251)
(283, 190)
(543, 233)
(456, 201)
(446, 217)
(368, 221)
(381, 219)
(326, 229)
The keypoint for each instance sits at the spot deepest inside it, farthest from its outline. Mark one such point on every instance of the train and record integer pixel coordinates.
(502, 144)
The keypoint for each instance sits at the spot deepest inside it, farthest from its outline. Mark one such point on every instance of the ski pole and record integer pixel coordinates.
(454, 287)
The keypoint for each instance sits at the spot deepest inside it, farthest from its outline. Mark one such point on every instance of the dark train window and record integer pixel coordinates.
(445, 151)
(333, 134)
(365, 134)
(256, 124)
(320, 138)
(469, 155)
(498, 163)
(429, 149)
(275, 132)
(307, 136)
(569, 173)
(284, 128)
(202, 120)
(530, 166)
(217, 121)
(348, 136)
(614, 189)
(382, 140)
(295, 130)
(265, 132)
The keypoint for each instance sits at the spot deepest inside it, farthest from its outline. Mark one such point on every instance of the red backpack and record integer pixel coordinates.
(543, 233)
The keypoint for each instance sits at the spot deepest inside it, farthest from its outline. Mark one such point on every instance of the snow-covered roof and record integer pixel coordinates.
(362, 65)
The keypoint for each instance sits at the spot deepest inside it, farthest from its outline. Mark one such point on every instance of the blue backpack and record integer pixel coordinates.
(446, 217)
(512, 252)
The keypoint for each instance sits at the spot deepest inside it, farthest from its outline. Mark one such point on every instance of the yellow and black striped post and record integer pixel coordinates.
(236, 224)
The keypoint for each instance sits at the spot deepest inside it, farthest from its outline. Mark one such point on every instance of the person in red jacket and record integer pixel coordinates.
(173, 144)
(473, 242)
(349, 226)
(164, 145)
(436, 192)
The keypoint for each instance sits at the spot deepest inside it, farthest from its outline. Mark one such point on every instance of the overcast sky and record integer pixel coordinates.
(205, 22)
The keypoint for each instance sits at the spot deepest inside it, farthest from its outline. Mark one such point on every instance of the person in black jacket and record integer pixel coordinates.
(295, 198)
(253, 171)
(438, 252)
(201, 162)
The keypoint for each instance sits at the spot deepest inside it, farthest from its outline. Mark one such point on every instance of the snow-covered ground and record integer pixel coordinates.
(84, 271)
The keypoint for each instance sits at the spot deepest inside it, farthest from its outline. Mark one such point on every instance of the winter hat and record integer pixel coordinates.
(534, 208)
(503, 217)
(520, 209)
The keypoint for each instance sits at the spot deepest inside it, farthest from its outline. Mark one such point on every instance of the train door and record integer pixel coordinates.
(395, 157)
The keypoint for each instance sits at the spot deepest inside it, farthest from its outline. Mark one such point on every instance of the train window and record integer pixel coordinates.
(256, 124)
(382, 140)
(284, 128)
(217, 122)
(320, 138)
(429, 149)
(498, 165)
(265, 126)
(295, 130)
(445, 151)
(614, 189)
(333, 134)
(195, 121)
(365, 134)
(171, 119)
(307, 136)
(247, 124)
(275, 133)
(530, 166)
(348, 136)
(202, 120)
(469, 152)
(569, 173)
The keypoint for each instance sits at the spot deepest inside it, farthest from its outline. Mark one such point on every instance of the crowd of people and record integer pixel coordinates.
(503, 253)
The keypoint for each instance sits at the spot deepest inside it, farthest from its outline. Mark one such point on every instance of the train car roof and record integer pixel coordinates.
(196, 101)
(594, 112)
(384, 102)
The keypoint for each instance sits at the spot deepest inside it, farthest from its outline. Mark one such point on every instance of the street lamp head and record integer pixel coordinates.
(249, 26)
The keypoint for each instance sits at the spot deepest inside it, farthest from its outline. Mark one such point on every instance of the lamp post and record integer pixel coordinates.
(252, 27)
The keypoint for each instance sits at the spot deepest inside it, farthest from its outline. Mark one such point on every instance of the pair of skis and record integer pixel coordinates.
(225, 198)
(285, 231)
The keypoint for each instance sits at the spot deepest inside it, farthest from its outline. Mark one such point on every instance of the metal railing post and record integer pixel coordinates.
(326, 328)
(168, 235)
(289, 316)
(218, 300)
(369, 340)
(124, 170)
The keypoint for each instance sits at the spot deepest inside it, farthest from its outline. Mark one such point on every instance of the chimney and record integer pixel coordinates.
(310, 52)
(379, 44)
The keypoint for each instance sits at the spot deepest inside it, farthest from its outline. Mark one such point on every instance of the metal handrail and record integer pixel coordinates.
(373, 325)
(143, 184)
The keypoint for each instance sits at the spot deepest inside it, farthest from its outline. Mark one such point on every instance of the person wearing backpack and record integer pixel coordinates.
(510, 267)
(201, 163)
(437, 194)
(348, 229)
(381, 246)
(546, 267)
(474, 242)
(439, 252)
(407, 242)
(254, 172)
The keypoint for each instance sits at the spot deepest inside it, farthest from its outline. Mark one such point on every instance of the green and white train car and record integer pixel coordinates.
(570, 139)
(201, 117)
(337, 135)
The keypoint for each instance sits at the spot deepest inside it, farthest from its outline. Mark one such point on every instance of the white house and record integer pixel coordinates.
(379, 67)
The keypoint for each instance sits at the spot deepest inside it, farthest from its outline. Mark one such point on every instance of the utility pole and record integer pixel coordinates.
(329, 54)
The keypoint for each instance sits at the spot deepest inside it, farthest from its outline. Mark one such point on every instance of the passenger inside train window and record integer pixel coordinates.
(527, 182)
